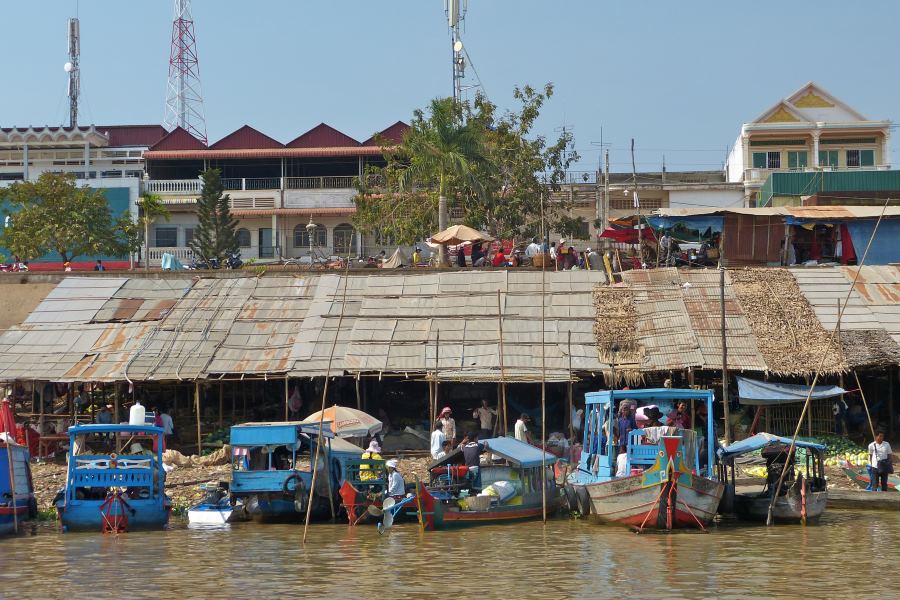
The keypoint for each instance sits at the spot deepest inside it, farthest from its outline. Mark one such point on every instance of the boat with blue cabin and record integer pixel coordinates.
(17, 501)
(665, 478)
(115, 480)
(272, 468)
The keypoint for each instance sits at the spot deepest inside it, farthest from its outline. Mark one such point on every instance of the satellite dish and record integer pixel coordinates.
(457, 46)
(68, 67)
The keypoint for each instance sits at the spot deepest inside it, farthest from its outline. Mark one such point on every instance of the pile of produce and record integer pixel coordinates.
(840, 449)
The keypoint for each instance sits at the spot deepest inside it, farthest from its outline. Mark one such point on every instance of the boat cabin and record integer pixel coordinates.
(600, 459)
(114, 470)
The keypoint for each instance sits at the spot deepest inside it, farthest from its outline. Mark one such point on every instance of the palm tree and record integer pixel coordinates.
(441, 148)
(152, 208)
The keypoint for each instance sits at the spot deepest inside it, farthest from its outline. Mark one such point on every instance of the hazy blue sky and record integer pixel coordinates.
(679, 77)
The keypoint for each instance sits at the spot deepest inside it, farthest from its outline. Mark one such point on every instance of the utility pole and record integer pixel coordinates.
(725, 408)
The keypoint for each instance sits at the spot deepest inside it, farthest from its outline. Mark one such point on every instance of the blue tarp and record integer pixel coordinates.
(760, 441)
(518, 452)
(699, 223)
(170, 263)
(885, 248)
(649, 394)
(755, 392)
(273, 434)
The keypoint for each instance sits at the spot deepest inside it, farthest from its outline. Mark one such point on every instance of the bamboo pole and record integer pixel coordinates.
(315, 471)
(502, 370)
(831, 340)
(221, 406)
(197, 409)
(358, 397)
(725, 407)
(286, 399)
(865, 404)
(544, 379)
(571, 402)
(243, 399)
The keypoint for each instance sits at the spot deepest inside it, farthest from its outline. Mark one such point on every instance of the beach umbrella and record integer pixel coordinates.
(457, 234)
(347, 422)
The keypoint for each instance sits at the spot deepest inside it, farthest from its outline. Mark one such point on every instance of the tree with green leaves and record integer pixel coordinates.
(440, 154)
(216, 233)
(53, 214)
(151, 208)
(492, 167)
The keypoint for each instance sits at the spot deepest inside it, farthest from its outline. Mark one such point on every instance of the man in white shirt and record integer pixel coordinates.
(880, 461)
(485, 415)
(533, 249)
(437, 439)
(396, 486)
(522, 433)
(167, 424)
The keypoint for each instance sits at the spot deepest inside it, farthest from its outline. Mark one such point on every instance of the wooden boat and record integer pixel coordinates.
(215, 509)
(17, 501)
(506, 489)
(801, 498)
(272, 468)
(112, 483)
(860, 476)
(664, 485)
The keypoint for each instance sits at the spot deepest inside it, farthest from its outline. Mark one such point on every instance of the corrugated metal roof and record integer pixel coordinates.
(143, 300)
(75, 300)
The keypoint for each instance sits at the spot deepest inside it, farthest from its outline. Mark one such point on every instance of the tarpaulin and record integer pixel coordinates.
(626, 236)
(698, 223)
(885, 249)
(751, 391)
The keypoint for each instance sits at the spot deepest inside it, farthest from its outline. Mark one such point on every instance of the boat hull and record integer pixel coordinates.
(88, 515)
(788, 508)
(9, 515)
(209, 515)
(860, 477)
(628, 501)
(446, 516)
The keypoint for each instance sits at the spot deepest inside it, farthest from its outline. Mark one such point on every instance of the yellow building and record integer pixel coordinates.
(808, 130)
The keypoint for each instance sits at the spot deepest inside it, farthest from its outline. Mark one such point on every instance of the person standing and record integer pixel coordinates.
(881, 460)
(99, 266)
(168, 424)
(625, 424)
(521, 431)
(449, 424)
(438, 439)
(485, 415)
(533, 249)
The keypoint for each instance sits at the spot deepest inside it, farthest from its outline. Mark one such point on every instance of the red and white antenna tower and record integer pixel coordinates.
(184, 101)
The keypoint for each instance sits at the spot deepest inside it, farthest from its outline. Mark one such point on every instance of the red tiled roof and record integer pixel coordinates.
(322, 136)
(178, 139)
(394, 133)
(245, 138)
(132, 135)
(178, 154)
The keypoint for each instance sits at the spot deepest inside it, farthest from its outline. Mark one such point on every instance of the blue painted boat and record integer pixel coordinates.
(272, 474)
(215, 509)
(662, 483)
(17, 504)
(115, 480)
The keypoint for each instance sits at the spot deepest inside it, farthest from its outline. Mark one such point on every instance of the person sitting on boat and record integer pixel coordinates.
(396, 486)
(472, 449)
(438, 439)
(680, 417)
(373, 452)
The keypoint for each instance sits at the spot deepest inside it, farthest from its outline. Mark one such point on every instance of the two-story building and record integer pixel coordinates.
(292, 200)
(808, 130)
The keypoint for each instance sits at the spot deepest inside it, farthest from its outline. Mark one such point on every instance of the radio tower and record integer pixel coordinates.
(184, 101)
(72, 68)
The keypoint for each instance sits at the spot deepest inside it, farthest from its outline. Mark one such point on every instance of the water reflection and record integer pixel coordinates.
(562, 559)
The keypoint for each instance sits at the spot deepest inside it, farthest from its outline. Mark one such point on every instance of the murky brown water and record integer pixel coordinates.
(846, 555)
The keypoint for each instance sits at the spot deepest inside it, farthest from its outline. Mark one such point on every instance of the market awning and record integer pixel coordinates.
(753, 392)
(699, 223)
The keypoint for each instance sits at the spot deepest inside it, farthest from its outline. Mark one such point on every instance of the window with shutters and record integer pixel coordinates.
(797, 159)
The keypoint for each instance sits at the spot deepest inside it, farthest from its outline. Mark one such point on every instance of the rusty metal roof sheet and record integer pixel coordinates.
(76, 300)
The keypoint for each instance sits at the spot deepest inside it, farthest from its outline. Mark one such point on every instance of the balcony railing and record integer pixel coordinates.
(320, 183)
(760, 175)
(182, 253)
(172, 186)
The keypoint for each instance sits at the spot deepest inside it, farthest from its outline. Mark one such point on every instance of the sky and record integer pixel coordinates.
(678, 77)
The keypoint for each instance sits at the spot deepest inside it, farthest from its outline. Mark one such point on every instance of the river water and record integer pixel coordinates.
(846, 555)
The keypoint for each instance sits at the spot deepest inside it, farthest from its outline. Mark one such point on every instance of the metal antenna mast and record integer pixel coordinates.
(184, 100)
(456, 13)
(71, 67)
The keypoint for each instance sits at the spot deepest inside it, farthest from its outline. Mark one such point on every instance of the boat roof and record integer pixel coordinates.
(516, 452)
(269, 434)
(602, 397)
(763, 440)
(104, 428)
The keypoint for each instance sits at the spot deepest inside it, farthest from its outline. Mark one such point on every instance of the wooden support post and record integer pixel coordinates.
(431, 418)
(571, 401)
(197, 410)
(725, 407)
(243, 399)
(287, 397)
(358, 396)
(892, 374)
(221, 406)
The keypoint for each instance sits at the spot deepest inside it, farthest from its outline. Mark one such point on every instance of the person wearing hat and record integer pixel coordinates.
(522, 434)
(368, 472)
(449, 424)
(396, 487)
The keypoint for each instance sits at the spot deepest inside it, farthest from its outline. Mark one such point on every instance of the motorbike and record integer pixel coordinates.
(234, 261)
